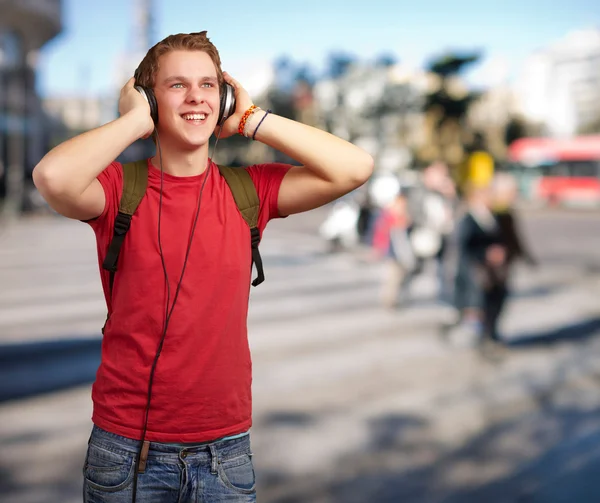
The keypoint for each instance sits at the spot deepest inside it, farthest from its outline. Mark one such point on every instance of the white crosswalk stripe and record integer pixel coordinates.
(51, 288)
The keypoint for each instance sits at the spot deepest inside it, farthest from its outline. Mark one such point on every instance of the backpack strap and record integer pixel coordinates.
(245, 196)
(135, 181)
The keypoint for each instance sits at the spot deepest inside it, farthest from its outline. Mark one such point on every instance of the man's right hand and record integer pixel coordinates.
(67, 176)
(132, 102)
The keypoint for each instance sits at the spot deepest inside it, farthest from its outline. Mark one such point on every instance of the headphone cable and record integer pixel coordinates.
(168, 313)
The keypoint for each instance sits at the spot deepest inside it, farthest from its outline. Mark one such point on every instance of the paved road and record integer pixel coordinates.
(353, 403)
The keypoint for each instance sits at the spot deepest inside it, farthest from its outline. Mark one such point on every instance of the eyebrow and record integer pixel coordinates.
(180, 78)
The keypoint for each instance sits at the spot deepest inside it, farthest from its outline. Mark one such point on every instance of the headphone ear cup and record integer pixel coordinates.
(151, 99)
(153, 105)
(148, 94)
(227, 104)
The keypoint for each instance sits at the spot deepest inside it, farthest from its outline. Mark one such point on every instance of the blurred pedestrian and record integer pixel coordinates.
(391, 242)
(505, 192)
(477, 233)
(489, 243)
(432, 206)
(502, 256)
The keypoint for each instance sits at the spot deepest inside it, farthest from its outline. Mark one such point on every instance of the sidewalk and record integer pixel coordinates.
(353, 403)
(377, 410)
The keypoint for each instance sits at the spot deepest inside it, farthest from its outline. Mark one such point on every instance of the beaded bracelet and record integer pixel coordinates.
(248, 123)
(244, 118)
(261, 121)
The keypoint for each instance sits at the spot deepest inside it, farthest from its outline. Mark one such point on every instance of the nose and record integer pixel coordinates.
(194, 95)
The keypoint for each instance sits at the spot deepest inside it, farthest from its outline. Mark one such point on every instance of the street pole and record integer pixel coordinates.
(16, 116)
(3, 122)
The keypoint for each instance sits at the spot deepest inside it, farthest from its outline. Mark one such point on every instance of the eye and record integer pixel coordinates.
(177, 85)
(208, 84)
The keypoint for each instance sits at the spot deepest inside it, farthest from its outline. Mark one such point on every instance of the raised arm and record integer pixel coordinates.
(330, 167)
(66, 176)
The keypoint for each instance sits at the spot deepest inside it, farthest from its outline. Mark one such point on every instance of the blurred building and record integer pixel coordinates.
(559, 87)
(378, 107)
(78, 114)
(25, 26)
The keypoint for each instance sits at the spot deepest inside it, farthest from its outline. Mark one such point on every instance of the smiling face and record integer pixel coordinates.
(187, 93)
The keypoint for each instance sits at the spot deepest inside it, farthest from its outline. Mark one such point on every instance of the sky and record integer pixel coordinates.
(82, 60)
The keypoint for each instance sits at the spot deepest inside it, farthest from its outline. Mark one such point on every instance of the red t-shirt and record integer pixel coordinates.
(202, 382)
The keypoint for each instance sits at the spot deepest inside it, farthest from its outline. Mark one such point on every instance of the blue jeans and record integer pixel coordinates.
(220, 471)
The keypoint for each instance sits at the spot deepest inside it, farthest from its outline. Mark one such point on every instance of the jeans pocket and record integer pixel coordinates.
(237, 473)
(107, 471)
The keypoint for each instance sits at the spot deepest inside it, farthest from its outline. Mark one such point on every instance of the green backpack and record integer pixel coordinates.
(135, 181)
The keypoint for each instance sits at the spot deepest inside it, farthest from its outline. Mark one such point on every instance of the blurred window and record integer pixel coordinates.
(570, 169)
(11, 49)
(584, 168)
(559, 169)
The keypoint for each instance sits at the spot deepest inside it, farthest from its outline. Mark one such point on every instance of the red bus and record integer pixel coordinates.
(558, 171)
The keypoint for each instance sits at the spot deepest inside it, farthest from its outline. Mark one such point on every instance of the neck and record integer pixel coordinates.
(179, 162)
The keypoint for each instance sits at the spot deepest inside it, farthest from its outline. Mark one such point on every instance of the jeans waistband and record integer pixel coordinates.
(112, 441)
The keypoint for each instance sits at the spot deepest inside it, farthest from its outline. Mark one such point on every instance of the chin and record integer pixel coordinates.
(194, 142)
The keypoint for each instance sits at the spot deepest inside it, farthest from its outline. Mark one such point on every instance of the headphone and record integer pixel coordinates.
(226, 104)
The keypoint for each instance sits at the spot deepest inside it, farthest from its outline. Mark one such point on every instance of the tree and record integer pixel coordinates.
(284, 69)
(338, 64)
(304, 73)
(515, 129)
(446, 109)
(386, 60)
(451, 64)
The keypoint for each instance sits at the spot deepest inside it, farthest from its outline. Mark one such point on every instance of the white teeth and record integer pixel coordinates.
(194, 117)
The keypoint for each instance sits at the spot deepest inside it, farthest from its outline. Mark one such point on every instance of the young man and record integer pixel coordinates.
(172, 402)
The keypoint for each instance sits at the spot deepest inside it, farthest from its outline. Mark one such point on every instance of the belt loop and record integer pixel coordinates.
(214, 458)
(144, 457)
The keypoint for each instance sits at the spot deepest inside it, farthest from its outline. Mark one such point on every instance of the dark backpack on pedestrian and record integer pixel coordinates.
(135, 181)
